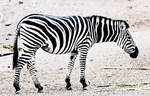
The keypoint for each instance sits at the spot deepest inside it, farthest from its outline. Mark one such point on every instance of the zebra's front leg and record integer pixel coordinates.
(70, 67)
(33, 72)
(83, 55)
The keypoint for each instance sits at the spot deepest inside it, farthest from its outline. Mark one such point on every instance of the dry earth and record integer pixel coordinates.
(109, 72)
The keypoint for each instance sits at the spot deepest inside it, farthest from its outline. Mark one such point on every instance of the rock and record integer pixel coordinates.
(9, 34)
(89, 82)
(60, 68)
(7, 24)
(7, 39)
(91, 60)
(130, 7)
(20, 2)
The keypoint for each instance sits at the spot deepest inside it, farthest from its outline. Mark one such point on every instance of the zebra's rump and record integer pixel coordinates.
(56, 35)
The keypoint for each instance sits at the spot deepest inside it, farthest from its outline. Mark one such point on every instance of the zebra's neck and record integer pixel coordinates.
(104, 29)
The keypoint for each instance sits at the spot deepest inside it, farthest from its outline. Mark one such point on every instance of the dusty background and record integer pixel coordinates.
(110, 71)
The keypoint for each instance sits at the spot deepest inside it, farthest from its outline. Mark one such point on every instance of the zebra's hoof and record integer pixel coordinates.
(85, 88)
(69, 88)
(40, 91)
(18, 92)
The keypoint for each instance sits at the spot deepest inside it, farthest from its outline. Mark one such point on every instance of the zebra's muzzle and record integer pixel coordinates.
(135, 54)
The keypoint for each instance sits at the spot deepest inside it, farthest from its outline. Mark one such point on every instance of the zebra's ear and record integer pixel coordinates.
(124, 25)
(127, 25)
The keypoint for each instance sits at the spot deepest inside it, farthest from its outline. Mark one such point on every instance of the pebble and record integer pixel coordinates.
(7, 39)
(91, 60)
(9, 34)
(130, 7)
(60, 68)
(7, 24)
(20, 2)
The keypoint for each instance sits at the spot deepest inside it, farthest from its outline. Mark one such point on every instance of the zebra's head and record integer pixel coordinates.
(125, 40)
(109, 30)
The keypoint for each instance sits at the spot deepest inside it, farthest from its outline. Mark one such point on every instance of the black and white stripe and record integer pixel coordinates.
(70, 34)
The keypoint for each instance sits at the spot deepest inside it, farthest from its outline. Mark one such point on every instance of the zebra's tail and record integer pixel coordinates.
(15, 49)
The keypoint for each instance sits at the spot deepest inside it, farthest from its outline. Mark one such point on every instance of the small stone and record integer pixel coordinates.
(20, 2)
(7, 39)
(60, 68)
(7, 24)
(24, 74)
(9, 34)
(91, 60)
(46, 85)
(89, 82)
(130, 7)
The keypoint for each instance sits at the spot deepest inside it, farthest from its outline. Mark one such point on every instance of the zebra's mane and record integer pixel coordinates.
(97, 16)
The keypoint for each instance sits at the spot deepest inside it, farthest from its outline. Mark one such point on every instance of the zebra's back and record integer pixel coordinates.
(56, 35)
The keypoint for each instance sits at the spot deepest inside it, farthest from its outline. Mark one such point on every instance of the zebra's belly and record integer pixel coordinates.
(50, 50)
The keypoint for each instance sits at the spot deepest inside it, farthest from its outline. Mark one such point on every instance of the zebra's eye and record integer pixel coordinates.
(122, 27)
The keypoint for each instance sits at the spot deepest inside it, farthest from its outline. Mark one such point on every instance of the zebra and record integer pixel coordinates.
(66, 34)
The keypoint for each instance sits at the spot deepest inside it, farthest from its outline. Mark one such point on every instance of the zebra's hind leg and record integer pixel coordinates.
(23, 59)
(17, 78)
(83, 55)
(70, 67)
(33, 72)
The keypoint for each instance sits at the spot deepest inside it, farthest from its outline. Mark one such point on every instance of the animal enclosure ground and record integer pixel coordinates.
(109, 72)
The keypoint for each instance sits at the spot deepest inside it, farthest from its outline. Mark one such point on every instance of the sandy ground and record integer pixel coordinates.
(110, 71)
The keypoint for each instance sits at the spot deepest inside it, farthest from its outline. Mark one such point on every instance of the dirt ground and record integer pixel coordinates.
(109, 72)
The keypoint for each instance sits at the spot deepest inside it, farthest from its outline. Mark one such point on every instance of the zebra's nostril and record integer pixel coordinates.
(135, 54)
